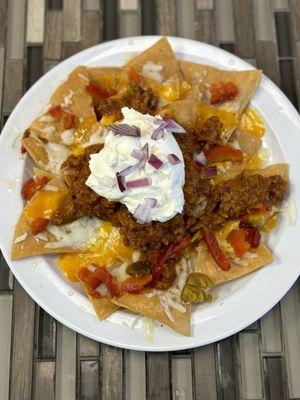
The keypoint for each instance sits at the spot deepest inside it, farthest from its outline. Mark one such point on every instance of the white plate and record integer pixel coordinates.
(236, 304)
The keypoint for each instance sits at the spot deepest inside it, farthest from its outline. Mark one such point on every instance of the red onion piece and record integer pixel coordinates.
(137, 153)
(142, 213)
(141, 182)
(121, 182)
(125, 130)
(211, 172)
(159, 130)
(200, 158)
(151, 201)
(173, 127)
(173, 159)
(155, 161)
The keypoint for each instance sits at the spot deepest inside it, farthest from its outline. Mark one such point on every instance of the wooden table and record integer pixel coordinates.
(41, 359)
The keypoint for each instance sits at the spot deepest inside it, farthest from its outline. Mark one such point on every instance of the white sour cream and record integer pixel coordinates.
(166, 183)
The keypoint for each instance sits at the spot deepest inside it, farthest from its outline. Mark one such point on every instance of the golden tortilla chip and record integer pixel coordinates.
(103, 306)
(160, 53)
(36, 149)
(205, 76)
(151, 307)
(192, 115)
(113, 78)
(193, 94)
(207, 265)
(280, 169)
(25, 243)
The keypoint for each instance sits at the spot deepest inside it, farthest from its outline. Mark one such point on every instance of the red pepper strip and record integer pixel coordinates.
(56, 112)
(172, 250)
(133, 75)
(224, 153)
(223, 91)
(31, 186)
(68, 120)
(237, 239)
(95, 90)
(38, 225)
(214, 248)
(22, 149)
(135, 285)
(253, 237)
(93, 280)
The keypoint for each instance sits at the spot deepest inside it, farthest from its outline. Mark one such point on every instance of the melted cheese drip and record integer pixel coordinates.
(251, 122)
(44, 204)
(228, 119)
(80, 134)
(107, 249)
(271, 223)
(259, 160)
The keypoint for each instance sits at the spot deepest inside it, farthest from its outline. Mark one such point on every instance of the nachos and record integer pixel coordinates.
(151, 184)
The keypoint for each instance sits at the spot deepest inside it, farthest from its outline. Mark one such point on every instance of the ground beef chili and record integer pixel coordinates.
(142, 100)
(227, 200)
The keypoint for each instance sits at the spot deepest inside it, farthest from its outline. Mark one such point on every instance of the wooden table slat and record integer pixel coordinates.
(205, 373)
(53, 37)
(112, 373)
(159, 386)
(44, 384)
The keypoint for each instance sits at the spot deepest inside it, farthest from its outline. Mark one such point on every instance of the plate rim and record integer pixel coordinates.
(52, 312)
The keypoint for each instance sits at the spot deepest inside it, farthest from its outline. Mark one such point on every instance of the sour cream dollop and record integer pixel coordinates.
(166, 183)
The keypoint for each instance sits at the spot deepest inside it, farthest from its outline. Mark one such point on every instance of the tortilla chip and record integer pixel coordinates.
(103, 306)
(160, 53)
(36, 149)
(109, 77)
(192, 115)
(204, 75)
(72, 93)
(280, 169)
(206, 265)
(31, 245)
(250, 145)
(151, 307)
(193, 94)
(40, 173)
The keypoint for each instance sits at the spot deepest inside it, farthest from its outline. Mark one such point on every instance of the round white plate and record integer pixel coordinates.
(236, 304)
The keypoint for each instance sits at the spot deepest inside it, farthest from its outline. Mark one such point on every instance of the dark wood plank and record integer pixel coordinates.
(165, 17)
(112, 373)
(274, 379)
(148, 17)
(244, 28)
(4, 275)
(110, 19)
(89, 380)
(158, 383)
(44, 384)
(53, 36)
(69, 49)
(288, 84)
(2, 20)
(34, 65)
(22, 345)
(228, 47)
(13, 84)
(205, 373)
(205, 27)
(91, 29)
(227, 370)
(45, 335)
(87, 347)
(295, 11)
(55, 4)
(266, 55)
(284, 34)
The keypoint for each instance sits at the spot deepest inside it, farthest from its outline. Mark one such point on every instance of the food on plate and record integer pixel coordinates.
(151, 183)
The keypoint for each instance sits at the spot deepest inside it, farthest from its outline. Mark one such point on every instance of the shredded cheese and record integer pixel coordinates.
(46, 118)
(292, 212)
(153, 71)
(67, 136)
(21, 238)
(57, 154)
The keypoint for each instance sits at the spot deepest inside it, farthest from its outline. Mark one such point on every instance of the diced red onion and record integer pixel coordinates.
(200, 158)
(159, 130)
(173, 159)
(211, 172)
(145, 150)
(151, 201)
(121, 182)
(173, 127)
(138, 183)
(125, 130)
(155, 161)
(137, 153)
(142, 212)
(127, 170)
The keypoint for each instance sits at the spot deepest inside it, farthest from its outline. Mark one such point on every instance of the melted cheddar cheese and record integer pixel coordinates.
(44, 204)
(107, 249)
(251, 122)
